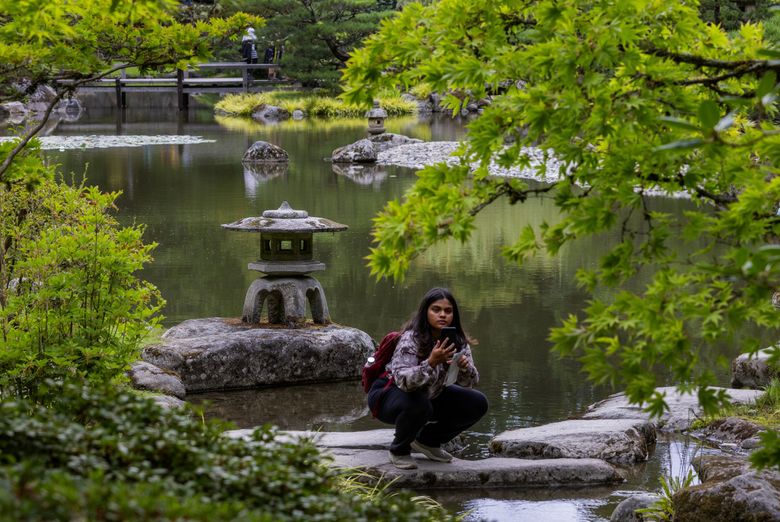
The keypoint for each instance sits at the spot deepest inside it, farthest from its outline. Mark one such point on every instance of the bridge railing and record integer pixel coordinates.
(184, 84)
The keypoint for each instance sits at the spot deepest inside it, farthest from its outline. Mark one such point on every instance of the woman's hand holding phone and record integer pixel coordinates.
(442, 352)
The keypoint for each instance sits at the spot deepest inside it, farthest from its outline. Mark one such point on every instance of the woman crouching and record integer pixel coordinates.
(426, 410)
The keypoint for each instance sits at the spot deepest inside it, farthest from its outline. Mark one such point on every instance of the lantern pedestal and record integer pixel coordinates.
(286, 299)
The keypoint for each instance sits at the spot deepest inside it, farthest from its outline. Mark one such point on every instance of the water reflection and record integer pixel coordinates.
(256, 174)
(292, 408)
(567, 509)
(368, 175)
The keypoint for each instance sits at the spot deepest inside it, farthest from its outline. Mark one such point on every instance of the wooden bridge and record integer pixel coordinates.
(184, 84)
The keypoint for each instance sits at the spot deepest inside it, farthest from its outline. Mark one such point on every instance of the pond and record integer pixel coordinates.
(183, 192)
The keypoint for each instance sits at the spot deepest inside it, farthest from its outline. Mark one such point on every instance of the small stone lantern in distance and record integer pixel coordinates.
(286, 257)
(376, 120)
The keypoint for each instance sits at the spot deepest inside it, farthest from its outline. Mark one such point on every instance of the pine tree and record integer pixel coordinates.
(312, 39)
(730, 14)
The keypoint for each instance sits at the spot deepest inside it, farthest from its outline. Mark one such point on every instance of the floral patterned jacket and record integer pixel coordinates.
(410, 369)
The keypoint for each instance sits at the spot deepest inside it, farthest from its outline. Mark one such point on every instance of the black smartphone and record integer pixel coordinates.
(450, 333)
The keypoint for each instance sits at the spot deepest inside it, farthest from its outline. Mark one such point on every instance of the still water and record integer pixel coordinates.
(182, 193)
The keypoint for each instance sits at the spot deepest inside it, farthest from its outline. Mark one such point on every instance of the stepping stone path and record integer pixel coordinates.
(366, 451)
(581, 452)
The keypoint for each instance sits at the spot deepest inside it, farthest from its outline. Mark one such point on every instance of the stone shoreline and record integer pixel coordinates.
(542, 169)
(419, 155)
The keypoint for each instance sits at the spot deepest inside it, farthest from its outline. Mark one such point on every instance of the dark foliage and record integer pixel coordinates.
(102, 454)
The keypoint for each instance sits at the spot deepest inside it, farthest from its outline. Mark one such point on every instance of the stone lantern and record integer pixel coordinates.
(376, 119)
(286, 257)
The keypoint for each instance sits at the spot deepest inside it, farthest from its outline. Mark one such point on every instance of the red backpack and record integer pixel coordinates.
(374, 369)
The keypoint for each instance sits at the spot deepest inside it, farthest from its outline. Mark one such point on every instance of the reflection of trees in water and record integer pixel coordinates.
(364, 175)
(310, 406)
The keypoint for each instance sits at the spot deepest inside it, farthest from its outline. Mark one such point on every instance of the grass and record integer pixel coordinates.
(311, 103)
(764, 411)
(663, 509)
(408, 125)
(360, 483)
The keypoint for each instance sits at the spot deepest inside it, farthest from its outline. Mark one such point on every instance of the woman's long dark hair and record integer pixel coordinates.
(422, 328)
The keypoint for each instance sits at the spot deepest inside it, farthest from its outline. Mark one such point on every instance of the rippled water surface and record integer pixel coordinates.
(183, 192)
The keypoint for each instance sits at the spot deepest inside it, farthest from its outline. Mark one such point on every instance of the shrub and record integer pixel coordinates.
(101, 454)
(421, 91)
(70, 299)
(314, 105)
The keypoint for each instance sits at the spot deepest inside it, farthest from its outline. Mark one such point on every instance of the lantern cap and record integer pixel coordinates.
(285, 219)
(376, 111)
(285, 211)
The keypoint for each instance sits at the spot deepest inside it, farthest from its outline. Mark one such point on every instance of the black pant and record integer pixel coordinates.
(430, 421)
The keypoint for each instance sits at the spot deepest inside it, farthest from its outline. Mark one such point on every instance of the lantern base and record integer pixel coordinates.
(286, 299)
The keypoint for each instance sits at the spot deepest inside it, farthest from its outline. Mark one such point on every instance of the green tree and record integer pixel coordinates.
(317, 36)
(66, 44)
(632, 98)
(730, 14)
(71, 304)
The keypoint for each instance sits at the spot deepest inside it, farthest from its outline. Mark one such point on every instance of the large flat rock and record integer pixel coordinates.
(485, 473)
(683, 408)
(366, 451)
(369, 439)
(615, 440)
(219, 354)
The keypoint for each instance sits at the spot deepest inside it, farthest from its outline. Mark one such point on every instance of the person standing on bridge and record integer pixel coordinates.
(268, 57)
(248, 46)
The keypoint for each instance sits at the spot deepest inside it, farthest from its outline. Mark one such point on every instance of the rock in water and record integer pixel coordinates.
(262, 151)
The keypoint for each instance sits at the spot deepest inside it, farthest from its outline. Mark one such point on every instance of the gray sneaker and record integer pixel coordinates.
(437, 454)
(402, 461)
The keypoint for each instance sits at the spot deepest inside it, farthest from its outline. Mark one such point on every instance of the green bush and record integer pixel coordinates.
(102, 454)
(70, 299)
(314, 105)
